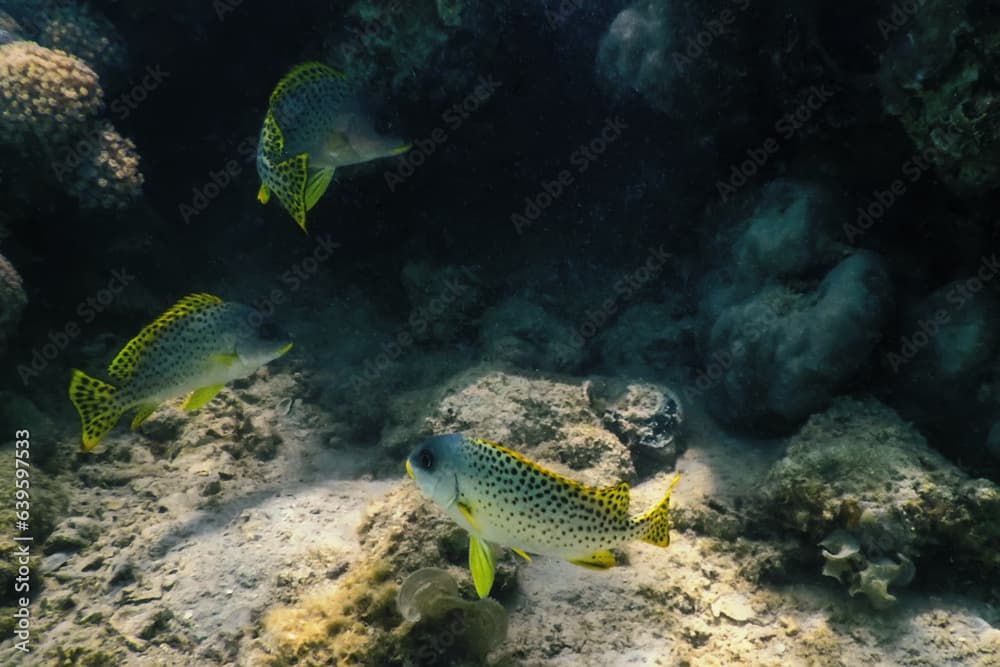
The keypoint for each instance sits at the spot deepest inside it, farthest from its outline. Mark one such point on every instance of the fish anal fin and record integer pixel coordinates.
(145, 409)
(521, 553)
(466, 511)
(599, 560)
(200, 397)
(481, 565)
(318, 182)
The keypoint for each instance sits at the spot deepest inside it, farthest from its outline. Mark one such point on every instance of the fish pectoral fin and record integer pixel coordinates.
(317, 184)
(264, 194)
(467, 513)
(200, 397)
(481, 565)
(399, 150)
(521, 553)
(599, 560)
(145, 409)
(225, 359)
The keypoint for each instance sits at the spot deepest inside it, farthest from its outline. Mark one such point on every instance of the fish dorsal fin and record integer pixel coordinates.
(303, 75)
(125, 362)
(616, 498)
(531, 464)
(288, 183)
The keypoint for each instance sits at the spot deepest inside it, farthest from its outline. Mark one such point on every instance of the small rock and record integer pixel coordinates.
(734, 607)
(73, 534)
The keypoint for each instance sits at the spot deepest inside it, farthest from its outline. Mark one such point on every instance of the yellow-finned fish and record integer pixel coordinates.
(315, 122)
(500, 496)
(197, 346)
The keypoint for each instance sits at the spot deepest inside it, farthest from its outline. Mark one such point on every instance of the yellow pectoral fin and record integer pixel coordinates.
(481, 565)
(467, 513)
(521, 553)
(400, 150)
(317, 184)
(263, 195)
(599, 560)
(200, 397)
(142, 413)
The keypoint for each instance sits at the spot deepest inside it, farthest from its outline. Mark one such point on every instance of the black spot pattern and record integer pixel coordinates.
(541, 511)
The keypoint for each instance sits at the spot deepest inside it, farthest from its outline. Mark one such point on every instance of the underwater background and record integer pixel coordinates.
(752, 243)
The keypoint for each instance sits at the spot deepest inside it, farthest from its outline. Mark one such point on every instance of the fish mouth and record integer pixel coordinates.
(409, 470)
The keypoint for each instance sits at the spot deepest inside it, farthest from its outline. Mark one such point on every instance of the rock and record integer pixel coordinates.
(647, 418)
(444, 302)
(933, 80)
(733, 606)
(866, 485)
(649, 337)
(791, 231)
(524, 334)
(73, 534)
(785, 354)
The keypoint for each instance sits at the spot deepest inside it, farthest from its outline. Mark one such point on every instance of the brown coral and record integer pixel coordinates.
(44, 93)
(104, 171)
(76, 29)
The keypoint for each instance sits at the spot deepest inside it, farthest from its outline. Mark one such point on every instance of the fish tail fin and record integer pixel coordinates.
(656, 521)
(291, 177)
(97, 403)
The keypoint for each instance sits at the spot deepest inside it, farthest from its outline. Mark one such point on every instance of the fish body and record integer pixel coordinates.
(503, 498)
(196, 347)
(315, 123)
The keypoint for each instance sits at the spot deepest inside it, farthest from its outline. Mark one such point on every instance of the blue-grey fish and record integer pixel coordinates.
(314, 124)
(197, 346)
(501, 497)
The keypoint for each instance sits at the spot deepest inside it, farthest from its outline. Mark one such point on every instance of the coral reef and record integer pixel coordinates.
(78, 30)
(49, 102)
(859, 468)
(523, 333)
(782, 342)
(12, 302)
(936, 79)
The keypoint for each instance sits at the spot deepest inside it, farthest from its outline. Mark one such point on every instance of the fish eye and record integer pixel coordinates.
(426, 459)
(268, 331)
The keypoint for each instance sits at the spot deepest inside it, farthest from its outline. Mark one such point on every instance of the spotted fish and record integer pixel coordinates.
(197, 346)
(501, 497)
(315, 123)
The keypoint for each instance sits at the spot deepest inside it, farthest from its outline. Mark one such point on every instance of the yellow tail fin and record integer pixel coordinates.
(657, 521)
(95, 401)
